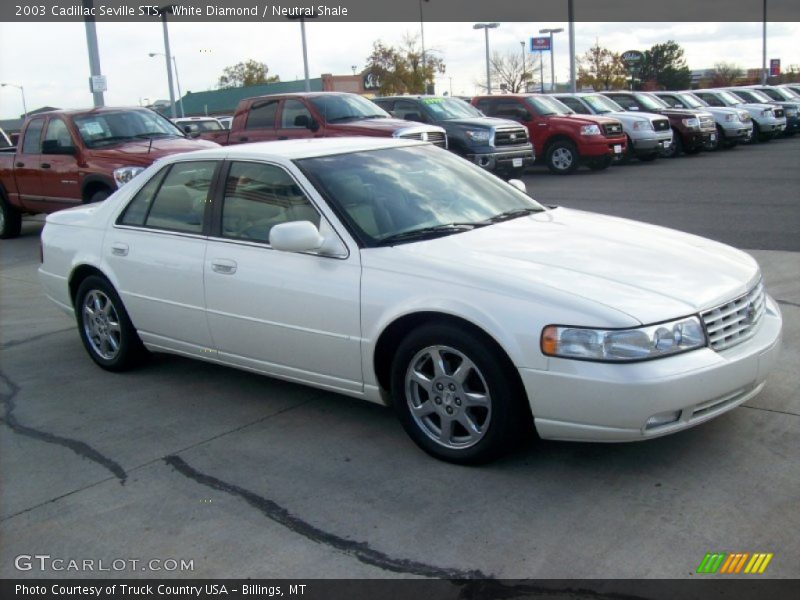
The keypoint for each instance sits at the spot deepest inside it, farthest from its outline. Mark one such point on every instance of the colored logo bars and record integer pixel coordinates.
(723, 563)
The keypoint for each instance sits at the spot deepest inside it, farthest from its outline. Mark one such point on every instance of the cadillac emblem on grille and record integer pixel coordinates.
(513, 136)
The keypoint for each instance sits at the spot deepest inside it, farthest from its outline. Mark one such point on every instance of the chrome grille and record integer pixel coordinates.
(660, 124)
(778, 112)
(511, 136)
(435, 137)
(612, 129)
(707, 123)
(735, 321)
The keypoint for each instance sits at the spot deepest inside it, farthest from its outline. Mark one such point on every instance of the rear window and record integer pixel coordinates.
(31, 144)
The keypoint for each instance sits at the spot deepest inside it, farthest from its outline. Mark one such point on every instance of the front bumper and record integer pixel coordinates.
(699, 138)
(598, 146)
(657, 143)
(507, 160)
(601, 402)
(737, 132)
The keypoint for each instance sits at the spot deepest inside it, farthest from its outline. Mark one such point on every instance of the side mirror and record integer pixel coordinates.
(519, 184)
(187, 129)
(296, 236)
(54, 147)
(302, 121)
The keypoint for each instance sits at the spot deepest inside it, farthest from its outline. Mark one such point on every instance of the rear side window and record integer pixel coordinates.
(31, 144)
(259, 196)
(262, 116)
(175, 201)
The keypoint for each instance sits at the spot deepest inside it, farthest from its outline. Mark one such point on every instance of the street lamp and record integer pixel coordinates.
(163, 10)
(552, 57)
(22, 91)
(302, 20)
(422, 36)
(486, 27)
(354, 69)
(522, 78)
(177, 79)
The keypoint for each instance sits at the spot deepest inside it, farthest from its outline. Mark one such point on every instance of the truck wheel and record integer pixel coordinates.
(756, 137)
(676, 147)
(628, 155)
(455, 397)
(99, 195)
(562, 157)
(10, 220)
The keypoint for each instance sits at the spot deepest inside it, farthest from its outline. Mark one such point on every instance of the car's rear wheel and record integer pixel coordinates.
(99, 195)
(10, 220)
(455, 397)
(562, 157)
(104, 326)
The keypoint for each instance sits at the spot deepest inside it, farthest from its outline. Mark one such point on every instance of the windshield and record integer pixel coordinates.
(651, 102)
(779, 94)
(729, 98)
(547, 106)
(691, 101)
(601, 104)
(449, 108)
(753, 96)
(383, 194)
(342, 107)
(105, 128)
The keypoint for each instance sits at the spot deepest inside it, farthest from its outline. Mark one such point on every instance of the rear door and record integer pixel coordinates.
(260, 124)
(27, 169)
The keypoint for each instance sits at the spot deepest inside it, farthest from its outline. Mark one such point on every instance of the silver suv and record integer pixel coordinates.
(734, 125)
(649, 134)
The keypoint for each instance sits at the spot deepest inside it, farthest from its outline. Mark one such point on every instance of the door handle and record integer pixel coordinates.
(283, 137)
(243, 138)
(45, 165)
(119, 249)
(223, 266)
(542, 124)
(19, 164)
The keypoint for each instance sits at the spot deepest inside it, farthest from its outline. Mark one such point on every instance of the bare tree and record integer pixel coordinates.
(507, 72)
(725, 74)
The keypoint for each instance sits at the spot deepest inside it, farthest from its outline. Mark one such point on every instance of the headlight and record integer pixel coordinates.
(124, 174)
(590, 130)
(623, 345)
(642, 126)
(691, 123)
(744, 117)
(480, 135)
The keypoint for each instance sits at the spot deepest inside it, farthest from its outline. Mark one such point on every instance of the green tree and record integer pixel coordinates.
(249, 72)
(601, 69)
(400, 70)
(664, 67)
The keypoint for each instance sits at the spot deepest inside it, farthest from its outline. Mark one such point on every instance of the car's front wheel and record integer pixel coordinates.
(455, 397)
(104, 326)
(10, 220)
(562, 157)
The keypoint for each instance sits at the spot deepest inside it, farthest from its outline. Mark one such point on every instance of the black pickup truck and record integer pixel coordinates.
(498, 145)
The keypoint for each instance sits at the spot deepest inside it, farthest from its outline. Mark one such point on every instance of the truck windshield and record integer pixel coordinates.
(405, 194)
(116, 127)
(779, 94)
(691, 101)
(442, 109)
(753, 96)
(342, 107)
(601, 104)
(548, 106)
(650, 102)
(729, 99)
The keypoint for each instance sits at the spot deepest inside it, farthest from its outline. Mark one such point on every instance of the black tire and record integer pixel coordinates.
(648, 157)
(562, 157)
(600, 164)
(719, 143)
(10, 220)
(96, 295)
(627, 156)
(498, 424)
(756, 137)
(99, 195)
(676, 147)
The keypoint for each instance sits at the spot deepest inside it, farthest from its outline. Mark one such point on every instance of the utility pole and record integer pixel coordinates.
(764, 48)
(522, 78)
(168, 59)
(94, 54)
(571, 16)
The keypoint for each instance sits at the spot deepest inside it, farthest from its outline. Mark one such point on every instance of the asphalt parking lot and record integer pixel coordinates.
(252, 477)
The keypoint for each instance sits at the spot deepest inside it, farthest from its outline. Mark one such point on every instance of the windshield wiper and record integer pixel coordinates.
(427, 232)
(112, 138)
(152, 134)
(514, 213)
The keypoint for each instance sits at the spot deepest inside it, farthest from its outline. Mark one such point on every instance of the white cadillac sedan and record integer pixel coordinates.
(394, 271)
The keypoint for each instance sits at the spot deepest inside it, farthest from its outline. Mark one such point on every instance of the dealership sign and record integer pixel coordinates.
(774, 67)
(539, 44)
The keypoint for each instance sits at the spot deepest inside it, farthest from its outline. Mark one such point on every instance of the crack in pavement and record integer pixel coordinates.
(9, 390)
(360, 550)
(34, 338)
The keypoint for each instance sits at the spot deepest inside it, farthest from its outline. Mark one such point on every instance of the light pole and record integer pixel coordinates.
(522, 78)
(422, 36)
(552, 57)
(571, 17)
(764, 48)
(22, 91)
(177, 79)
(163, 11)
(302, 20)
(486, 27)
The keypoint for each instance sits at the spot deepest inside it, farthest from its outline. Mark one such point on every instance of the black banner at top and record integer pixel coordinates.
(400, 10)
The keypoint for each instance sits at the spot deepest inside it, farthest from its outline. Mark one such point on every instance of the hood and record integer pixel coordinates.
(140, 152)
(586, 119)
(646, 272)
(480, 123)
(379, 126)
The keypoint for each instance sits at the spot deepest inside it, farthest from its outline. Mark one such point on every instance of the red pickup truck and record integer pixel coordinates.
(72, 157)
(564, 139)
(317, 114)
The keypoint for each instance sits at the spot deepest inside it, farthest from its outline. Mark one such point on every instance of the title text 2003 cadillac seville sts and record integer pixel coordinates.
(394, 271)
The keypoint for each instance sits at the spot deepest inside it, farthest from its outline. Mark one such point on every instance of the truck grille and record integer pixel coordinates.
(435, 137)
(661, 124)
(735, 321)
(778, 113)
(512, 136)
(707, 123)
(612, 129)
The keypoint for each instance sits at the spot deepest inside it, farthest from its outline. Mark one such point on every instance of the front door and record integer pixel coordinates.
(60, 184)
(27, 169)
